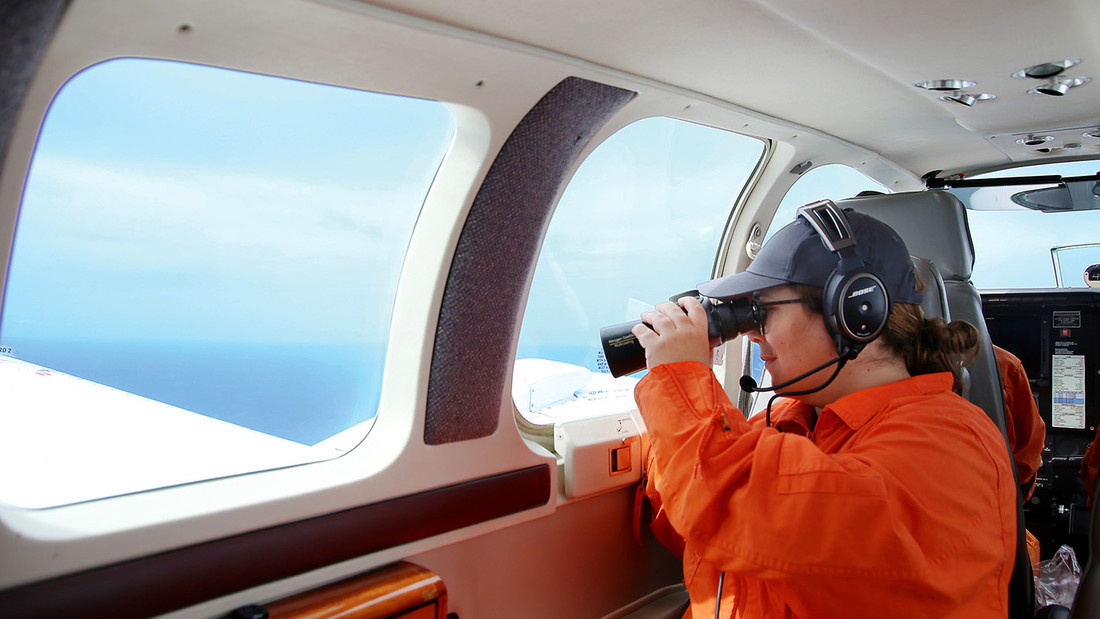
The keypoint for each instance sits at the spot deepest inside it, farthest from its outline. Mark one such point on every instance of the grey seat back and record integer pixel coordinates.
(935, 303)
(934, 226)
(935, 293)
(1086, 605)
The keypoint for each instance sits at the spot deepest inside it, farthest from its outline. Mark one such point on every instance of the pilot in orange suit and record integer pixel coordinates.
(1025, 428)
(872, 490)
(1090, 465)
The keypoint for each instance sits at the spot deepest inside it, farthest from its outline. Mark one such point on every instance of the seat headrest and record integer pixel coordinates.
(935, 296)
(932, 223)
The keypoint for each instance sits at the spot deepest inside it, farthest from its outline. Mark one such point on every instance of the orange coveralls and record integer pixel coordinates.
(1090, 468)
(1025, 427)
(900, 502)
(1026, 430)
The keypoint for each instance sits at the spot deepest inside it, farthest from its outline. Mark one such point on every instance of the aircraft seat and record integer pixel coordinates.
(934, 226)
(1087, 601)
(935, 292)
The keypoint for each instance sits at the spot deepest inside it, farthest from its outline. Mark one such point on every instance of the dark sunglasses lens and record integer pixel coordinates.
(760, 315)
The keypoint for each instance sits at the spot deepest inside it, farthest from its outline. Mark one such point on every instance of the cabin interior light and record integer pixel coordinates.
(1055, 84)
(1035, 140)
(954, 91)
(945, 85)
(1094, 134)
(1047, 70)
(968, 99)
(1059, 86)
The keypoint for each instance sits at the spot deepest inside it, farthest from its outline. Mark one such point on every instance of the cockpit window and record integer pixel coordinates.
(1019, 247)
(639, 222)
(203, 276)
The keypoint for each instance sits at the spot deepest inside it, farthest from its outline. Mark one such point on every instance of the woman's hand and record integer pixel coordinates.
(679, 333)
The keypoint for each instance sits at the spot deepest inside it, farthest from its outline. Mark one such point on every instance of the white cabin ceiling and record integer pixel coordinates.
(851, 76)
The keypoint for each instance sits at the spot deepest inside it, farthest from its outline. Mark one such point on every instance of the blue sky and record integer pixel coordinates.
(205, 204)
(639, 221)
(170, 200)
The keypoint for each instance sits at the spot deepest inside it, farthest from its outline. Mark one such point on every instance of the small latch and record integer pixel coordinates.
(620, 459)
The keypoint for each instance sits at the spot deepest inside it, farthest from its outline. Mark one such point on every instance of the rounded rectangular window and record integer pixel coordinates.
(203, 276)
(641, 220)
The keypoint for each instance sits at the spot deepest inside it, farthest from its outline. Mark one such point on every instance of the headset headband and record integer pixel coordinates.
(855, 303)
(830, 223)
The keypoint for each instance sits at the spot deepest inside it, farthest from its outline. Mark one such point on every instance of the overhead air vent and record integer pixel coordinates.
(1035, 140)
(942, 85)
(1054, 83)
(1047, 70)
(968, 99)
(1058, 87)
(954, 89)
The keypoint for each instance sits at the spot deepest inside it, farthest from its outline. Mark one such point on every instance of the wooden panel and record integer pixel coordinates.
(402, 590)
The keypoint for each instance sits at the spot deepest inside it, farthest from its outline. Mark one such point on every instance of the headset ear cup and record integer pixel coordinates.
(856, 309)
(855, 302)
(864, 307)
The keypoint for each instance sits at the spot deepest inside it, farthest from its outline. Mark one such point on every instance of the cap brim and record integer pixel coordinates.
(738, 285)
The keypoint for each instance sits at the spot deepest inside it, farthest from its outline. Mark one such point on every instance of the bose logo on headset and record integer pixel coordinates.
(854, 299)
(862, 292)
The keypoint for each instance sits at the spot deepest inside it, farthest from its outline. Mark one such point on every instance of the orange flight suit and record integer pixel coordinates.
(1090, 465)
(1025, 428)
(900, 502)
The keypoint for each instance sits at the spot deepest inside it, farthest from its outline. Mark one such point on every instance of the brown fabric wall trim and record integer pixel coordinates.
(496, 253)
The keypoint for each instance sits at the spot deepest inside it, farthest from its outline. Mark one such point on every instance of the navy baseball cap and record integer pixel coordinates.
(797, 255)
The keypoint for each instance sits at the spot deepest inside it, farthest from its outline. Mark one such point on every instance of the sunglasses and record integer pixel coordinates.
(760, 309)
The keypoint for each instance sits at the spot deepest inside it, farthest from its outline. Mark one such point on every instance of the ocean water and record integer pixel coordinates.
(301, 392)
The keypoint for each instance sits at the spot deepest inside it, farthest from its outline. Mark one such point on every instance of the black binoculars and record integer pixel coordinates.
(725, 321)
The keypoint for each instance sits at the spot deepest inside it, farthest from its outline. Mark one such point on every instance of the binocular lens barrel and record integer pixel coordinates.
(725, 321)
(621, 348)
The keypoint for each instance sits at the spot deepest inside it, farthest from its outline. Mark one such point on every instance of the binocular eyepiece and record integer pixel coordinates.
(725, 321)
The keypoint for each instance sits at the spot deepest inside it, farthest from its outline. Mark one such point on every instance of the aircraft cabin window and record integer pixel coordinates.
(1013, 242)
(203, 276)
(640, 221)
(827, 182)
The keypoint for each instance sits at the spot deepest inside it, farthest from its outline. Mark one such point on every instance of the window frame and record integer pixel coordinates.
(543, 432)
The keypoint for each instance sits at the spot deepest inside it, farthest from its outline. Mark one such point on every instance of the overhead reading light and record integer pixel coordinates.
(1094, 134)
(945, 85)
(955, 89)
(968, 99)
(1055, 84)
(1047, 70)
(1035, 140)
(1058, 87)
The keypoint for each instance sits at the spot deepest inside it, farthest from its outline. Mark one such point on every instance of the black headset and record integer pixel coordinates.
(855, 303)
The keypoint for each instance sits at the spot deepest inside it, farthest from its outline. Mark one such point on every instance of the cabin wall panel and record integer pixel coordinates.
(496, 254)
